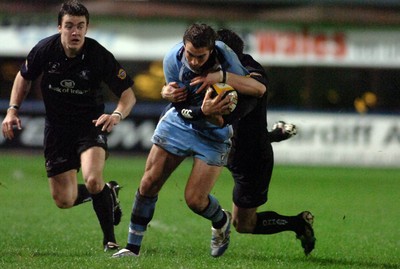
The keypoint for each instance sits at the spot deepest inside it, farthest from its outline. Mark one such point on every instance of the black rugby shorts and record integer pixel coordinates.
(63, 146)
(252, 176)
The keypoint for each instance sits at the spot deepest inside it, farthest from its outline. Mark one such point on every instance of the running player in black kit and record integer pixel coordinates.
(251, 163)
(71, 69)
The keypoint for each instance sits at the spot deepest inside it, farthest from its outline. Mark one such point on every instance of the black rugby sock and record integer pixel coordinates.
(102, 205)
(270, 222)
(83, 195)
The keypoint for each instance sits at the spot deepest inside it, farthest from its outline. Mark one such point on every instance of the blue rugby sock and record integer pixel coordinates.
(142, 214)
(214, 213)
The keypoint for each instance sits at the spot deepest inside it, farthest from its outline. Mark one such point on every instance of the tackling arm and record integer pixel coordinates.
(246, 85)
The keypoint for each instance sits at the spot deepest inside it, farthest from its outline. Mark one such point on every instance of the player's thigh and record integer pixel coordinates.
(63, 188)
(159, 166)
(201, 181)
(92, 163)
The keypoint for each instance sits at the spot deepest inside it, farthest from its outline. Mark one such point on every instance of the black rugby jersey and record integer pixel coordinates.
(72, 87)
(249, 141)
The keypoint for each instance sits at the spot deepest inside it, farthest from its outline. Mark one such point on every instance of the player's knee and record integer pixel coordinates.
(149, 187)
(62, 202)
(93, 185)
(194, 205)
(196, 202)
(242, 227)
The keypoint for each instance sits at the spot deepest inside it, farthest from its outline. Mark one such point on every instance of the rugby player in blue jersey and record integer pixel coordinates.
(183, 131)
(71, 68)
(251, 158)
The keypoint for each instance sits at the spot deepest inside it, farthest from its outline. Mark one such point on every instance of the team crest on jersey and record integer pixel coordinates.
(53, 67)
(122, 74)
(84, 74)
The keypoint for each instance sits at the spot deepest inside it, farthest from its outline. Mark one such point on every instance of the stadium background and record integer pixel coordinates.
(333, 66)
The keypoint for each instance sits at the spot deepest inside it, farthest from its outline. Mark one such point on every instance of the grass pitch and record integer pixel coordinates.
(356, 221)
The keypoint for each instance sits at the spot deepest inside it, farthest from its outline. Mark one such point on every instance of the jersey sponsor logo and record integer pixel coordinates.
(122, 74)
(187, 113)
(67, 83)
(68, 87)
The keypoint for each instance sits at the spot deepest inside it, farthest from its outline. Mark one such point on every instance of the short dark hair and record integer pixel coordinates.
(73, 8)
(200, 35)
(232, 39)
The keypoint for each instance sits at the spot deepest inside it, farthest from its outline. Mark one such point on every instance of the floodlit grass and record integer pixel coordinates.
(356, 221)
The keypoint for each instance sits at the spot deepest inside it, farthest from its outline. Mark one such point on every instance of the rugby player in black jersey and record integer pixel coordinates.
(251, 158)
(251, 163)
(71, 68)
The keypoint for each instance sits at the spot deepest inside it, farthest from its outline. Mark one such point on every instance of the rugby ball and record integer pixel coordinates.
(227, 90)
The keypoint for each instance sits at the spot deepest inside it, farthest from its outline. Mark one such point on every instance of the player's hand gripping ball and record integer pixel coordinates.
(229, 91)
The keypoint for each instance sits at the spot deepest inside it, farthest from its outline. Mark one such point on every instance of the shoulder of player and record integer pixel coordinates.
(175, 53)
(248, 61)
(46, 47)
(224, 53)
(48, 42)
(173, 58)
(94, 45)
(221, 45)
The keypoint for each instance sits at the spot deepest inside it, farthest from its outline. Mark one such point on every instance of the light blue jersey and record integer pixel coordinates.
(176, 69)
(199, 138)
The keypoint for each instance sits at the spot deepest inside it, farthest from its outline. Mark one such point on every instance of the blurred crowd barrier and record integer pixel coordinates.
(339, 139)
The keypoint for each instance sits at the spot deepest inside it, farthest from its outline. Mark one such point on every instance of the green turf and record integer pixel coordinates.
(356, 221)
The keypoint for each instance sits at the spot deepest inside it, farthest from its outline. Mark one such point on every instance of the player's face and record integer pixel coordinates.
(73, 30)
(196, 57)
